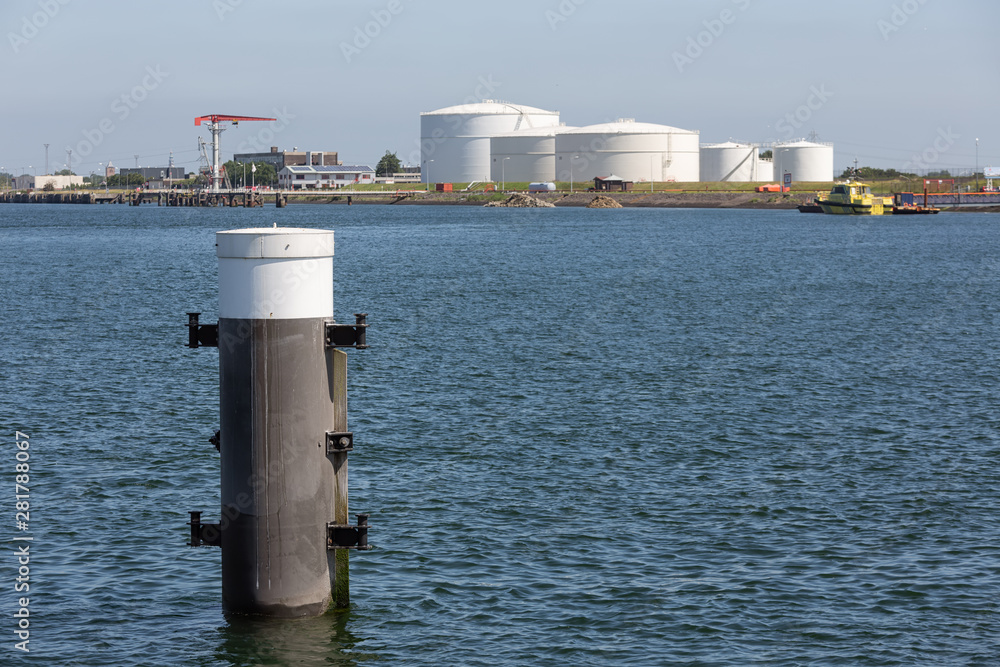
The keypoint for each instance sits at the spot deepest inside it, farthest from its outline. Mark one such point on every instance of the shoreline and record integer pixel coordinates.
(707, 199)
(717, 200)
(751, 200)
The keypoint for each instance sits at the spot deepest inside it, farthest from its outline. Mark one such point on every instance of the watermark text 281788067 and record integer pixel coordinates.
(22, 516)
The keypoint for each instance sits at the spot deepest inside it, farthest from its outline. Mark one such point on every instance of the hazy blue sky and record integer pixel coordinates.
(885, 80)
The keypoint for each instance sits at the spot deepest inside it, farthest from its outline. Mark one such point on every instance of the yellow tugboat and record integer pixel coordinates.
(854, 198)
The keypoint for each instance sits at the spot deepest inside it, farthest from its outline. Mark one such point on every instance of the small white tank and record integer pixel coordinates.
(806, 161)
(765, 170)
(733, 162)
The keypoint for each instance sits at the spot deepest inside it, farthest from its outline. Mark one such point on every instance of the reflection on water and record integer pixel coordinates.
(312, 641)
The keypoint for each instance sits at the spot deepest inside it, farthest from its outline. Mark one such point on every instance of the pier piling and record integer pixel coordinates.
(283, 435)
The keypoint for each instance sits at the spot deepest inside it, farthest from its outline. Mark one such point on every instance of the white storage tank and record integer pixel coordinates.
(637, 152)
(525, 155)
(734, 162)
(455, 141)
(806, 161)
(765, 170)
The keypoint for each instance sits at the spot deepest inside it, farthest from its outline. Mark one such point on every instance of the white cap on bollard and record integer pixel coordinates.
(275, 273)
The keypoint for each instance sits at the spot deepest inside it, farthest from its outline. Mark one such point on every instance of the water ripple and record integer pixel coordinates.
(684, 437)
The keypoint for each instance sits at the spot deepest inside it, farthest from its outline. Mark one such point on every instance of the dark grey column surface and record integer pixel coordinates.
(278, 484)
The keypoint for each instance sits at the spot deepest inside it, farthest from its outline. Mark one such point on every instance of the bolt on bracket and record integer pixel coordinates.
(339, 441)
(204, 534)
(201, 335)
(348, 335)
(348, 537)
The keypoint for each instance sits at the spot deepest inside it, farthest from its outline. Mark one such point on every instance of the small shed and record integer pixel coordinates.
(612, 183)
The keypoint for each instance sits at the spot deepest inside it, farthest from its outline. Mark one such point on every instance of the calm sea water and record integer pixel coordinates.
(585, 438)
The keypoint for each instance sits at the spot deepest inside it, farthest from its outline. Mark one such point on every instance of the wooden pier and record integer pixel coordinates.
(238, 198)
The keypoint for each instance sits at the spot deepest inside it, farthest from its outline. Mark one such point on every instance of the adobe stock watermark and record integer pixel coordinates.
(946, 138)
(364, 35)
(33, 24)
(427, 146)
(261, 142)
(223, 7)
(562, 13)
(900, 16)
(122, 107)
(22, 519)
(714, 29)
(794, 121)
(581, 157)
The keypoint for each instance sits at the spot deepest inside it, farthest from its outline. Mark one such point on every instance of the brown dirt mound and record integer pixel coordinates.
(519, 201)
(600, 201)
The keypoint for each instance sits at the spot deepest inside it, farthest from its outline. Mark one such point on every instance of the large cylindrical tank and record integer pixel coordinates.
(455, 141)
(633, 151)
(730, 162)
(806, 161)
(526, 155)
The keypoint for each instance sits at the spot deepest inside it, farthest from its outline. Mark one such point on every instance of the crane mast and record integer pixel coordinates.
(214, 122)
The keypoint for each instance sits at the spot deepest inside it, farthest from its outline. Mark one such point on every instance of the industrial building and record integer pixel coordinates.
(806, 161)
(455, 141)
(324, 176)
(154, 173)
(29, 182)
(733, 162)
(527, 156)
(632, 151)
(281, 159)
(400, 177)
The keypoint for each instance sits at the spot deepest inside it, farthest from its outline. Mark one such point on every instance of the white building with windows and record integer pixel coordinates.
(29, 182)
(324, 177)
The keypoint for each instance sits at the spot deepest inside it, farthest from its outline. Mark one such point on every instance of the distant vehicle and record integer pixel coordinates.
(541, 187)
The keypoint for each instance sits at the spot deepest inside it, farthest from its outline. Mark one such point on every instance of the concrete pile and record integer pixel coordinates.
(520, 201)
(600, 201)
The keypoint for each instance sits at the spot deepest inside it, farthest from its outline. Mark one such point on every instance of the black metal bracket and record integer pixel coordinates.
(348, 537)
(339, 441)
(348, 335)
(201, 335)
(204, 534)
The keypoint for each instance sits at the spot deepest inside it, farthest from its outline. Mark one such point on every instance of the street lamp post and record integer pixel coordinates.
(977, 164)
(428, 163)
(503, 174)
(571, 173)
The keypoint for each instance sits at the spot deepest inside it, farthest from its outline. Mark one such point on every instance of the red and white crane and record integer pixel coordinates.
(214, 122)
